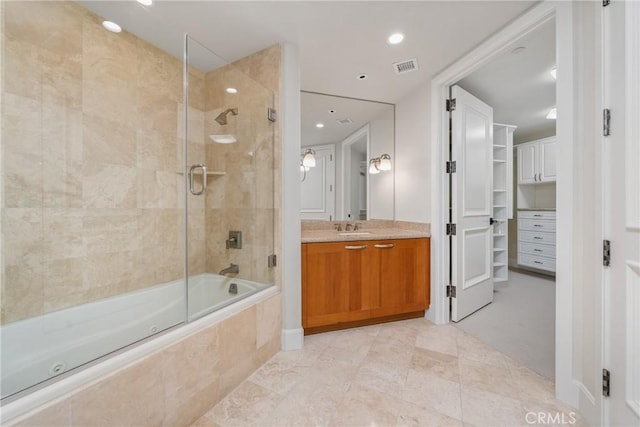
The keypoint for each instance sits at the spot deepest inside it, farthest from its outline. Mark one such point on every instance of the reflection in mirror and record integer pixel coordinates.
(346, 134)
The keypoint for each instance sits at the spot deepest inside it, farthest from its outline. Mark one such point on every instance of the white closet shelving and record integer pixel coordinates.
(502, 197)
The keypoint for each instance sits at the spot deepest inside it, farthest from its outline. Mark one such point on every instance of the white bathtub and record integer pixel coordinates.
(39, 348)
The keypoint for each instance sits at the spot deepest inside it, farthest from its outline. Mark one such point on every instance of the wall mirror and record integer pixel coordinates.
(347, 158)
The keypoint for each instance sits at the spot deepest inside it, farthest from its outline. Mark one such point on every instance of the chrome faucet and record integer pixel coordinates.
(233, 268)
(347, 227)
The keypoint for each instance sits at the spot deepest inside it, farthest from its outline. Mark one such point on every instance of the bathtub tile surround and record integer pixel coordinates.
(177, 384)
(388, 374)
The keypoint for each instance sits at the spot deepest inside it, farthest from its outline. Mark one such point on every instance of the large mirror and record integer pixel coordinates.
(347, 158)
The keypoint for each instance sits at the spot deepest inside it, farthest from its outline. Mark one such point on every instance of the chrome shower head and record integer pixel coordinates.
(222, 117)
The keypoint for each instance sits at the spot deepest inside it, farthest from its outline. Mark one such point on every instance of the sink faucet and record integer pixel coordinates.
(233, 268)
(338, 226)
(356, 227)
(347, 227)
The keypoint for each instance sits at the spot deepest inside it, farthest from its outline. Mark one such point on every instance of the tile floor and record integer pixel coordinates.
(408, 373)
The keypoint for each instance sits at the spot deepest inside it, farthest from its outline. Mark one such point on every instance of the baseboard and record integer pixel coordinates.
(292, 339)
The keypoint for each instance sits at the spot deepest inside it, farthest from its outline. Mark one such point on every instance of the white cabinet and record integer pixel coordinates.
(537, 240)
(502, 197)
(537, 161)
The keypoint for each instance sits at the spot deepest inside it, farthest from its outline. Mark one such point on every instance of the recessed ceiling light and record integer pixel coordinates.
(552, 114)
(145, 2)
(231, 90)
(319, 125)
(111, 26)
(362, 76)
(517, 50)
(395, 38)
(554, 72)
(332, 111)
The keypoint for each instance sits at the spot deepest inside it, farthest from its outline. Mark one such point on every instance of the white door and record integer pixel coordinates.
(527, 163)
(318, 183)
(547, 160)
(472, 191)
(622, 214)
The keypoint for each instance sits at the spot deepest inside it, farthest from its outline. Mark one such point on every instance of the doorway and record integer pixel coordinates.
(492, 48)
(510, 249)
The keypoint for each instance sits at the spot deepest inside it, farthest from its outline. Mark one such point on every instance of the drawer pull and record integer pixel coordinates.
(537, 262)
(538, 250)
(355, 247)
(386, 246)
(537, 225)
(537, 215)
(537, 237)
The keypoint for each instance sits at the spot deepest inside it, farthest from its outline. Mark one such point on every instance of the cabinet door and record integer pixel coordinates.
(547, 161)
(403, 276)
(527, 164)
(336, 282)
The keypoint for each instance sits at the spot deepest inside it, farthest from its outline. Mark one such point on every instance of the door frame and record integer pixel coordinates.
(567, 389)
(346, 160)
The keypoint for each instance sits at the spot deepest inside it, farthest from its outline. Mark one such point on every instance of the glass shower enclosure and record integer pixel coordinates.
(124, 200)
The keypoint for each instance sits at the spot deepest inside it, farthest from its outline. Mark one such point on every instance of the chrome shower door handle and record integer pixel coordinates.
(192, 170)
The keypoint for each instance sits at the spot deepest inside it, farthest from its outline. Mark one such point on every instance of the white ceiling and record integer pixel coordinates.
(337, 40)
(315, 108)
(519, 86)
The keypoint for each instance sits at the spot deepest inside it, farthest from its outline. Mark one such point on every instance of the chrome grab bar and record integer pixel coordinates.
(387, 246)
(204, 178)
(355, 247)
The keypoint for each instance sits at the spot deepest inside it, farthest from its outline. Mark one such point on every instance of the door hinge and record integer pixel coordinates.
(605, 3)
(451, 104)
(451, 229)
(272, 114)
(272, 261)
(606, 122)
(451, 167)
(330, 188)
(331, 157)
(606, 253)
(606, 382)
(451, 291)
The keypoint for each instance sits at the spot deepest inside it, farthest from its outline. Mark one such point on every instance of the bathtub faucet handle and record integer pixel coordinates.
(233, 268)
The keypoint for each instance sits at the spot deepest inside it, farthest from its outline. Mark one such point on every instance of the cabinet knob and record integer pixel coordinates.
(386, 246)
(352, 247)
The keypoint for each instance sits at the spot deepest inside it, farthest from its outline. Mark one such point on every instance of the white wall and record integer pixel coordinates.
(413, 157)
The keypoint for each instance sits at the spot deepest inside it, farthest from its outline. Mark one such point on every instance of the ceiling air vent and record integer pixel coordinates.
(405, 66)
(344, 121)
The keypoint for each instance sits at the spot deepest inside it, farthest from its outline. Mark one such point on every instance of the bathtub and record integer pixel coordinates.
(37, 349)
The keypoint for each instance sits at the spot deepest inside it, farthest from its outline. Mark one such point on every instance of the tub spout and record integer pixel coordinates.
(233, 268)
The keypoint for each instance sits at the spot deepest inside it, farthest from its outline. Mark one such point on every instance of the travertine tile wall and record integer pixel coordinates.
(174, 386)
(90, 153)
(92, 146)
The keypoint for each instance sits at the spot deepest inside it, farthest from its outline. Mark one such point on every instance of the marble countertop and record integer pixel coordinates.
(317, 236)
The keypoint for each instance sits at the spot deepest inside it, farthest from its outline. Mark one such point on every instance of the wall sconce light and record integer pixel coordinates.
(309, 158)
(380, 164)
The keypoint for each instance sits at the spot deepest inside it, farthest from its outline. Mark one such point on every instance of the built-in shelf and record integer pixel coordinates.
(499, 264)
(499, 206)
(499, 279)
(499, 235)
(209, 173)
(499, 250)
(499, 191)
(499, 161)
(499, 146)
(502, 197)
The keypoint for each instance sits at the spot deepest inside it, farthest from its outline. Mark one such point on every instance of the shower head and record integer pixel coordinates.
(222, 117)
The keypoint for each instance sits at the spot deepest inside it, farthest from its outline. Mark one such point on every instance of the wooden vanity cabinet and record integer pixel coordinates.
(355, 283)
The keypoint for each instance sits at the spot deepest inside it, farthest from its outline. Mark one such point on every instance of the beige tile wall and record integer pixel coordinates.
(174, 386)
(92, 142)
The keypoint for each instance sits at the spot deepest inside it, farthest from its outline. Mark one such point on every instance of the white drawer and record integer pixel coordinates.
(537, 225)
(537, 215)
(535, 249)
(534, 261)
(537, 237)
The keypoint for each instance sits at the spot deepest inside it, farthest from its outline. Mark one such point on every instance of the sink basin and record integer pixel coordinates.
(353, 233)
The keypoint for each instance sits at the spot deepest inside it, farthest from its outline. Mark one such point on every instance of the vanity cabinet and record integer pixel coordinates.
(361, 282)
(537, 161)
